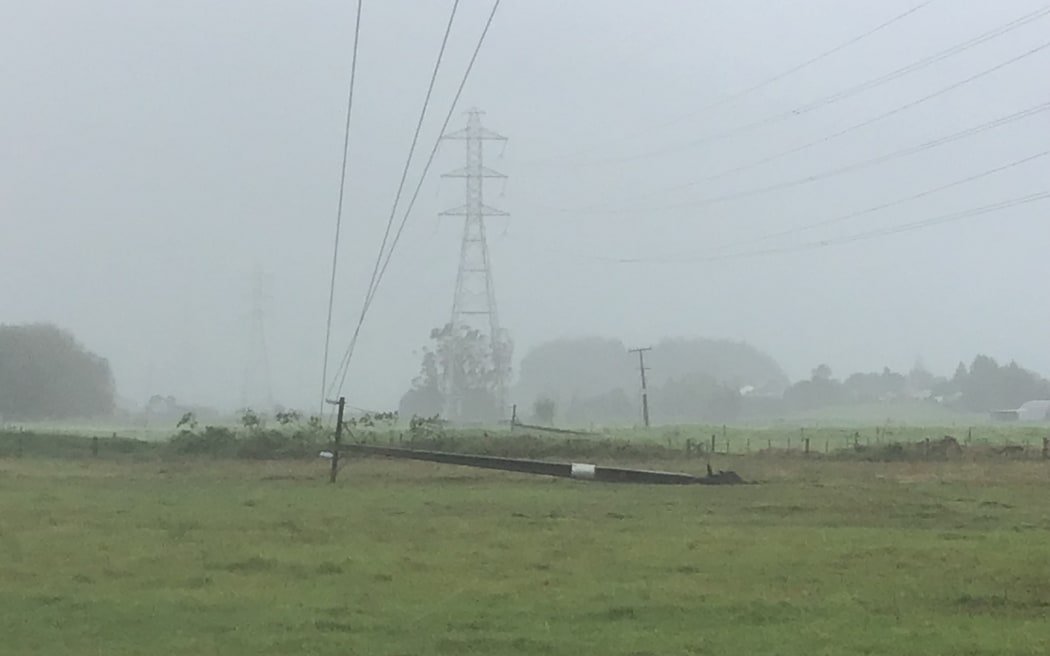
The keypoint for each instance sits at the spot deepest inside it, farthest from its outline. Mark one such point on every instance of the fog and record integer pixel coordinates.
(161, 157)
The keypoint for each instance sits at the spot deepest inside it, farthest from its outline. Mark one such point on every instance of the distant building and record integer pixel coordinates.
(1029, 411)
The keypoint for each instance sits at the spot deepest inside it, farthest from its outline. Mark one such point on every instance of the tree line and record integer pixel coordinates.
(46, 374)
(592, 380)
(983, 386)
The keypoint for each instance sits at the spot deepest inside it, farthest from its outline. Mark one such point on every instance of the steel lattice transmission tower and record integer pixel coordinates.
(474, 300)
(256, 389)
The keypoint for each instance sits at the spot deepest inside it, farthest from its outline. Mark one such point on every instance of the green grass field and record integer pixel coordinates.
(232, 557)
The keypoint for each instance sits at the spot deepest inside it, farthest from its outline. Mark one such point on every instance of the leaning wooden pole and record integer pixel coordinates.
(338, 438)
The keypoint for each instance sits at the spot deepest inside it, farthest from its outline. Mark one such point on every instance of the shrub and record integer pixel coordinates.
(213, 440)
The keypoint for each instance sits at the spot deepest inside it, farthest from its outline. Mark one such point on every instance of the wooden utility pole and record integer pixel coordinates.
(645, 390)
(338, 439)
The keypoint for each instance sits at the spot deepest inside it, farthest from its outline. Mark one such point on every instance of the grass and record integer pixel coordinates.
(823, 557)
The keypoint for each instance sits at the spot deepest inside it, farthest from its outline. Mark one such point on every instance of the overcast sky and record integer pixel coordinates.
(158, 155)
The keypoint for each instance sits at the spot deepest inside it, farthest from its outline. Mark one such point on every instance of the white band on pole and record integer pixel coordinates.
(580, 470)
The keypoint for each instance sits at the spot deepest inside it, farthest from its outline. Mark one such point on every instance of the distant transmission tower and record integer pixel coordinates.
(474, 301)
(256, 390)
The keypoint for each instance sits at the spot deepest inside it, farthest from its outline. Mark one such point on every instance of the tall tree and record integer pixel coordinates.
(463, 364)
(46, 374)
(989, 386)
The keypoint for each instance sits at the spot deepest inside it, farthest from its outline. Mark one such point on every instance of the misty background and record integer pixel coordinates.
(163, 158)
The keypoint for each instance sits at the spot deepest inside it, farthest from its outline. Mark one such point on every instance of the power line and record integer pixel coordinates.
(757, 191)
(339, 205)
(760, 85)
(437, 142)
(404, 176)
(348, 354)
(803, 65)
(412, 148)
(882, 232)
(842, 94)
(907, 227)
(404, 219)
(852, 215)
(994, 33)
(817, 244)
(860, 125)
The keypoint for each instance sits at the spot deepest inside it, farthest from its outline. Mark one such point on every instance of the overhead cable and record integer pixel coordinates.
(344, 367)
(842, 94)
(339, 204)
(855, 166)
(733, 97)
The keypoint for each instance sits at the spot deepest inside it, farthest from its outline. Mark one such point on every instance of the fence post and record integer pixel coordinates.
(748, 448)
(1046, 448)
(713, 446)
(807, 446)
(969, 435)
(94, 446)
(727, 447)
(769, 444)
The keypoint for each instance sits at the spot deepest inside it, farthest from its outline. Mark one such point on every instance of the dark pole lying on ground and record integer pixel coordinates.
(562, 470)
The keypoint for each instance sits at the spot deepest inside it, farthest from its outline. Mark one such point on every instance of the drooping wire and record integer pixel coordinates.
(339, 204)
(344, 367)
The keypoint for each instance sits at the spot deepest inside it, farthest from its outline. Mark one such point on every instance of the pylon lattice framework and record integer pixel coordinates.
(474, 300)
(256, 388)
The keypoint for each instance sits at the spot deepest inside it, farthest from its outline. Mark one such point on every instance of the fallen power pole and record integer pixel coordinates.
(575, 470)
